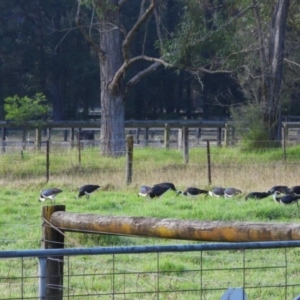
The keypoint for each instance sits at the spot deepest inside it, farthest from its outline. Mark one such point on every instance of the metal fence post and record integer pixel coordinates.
(42, 278)
(129, 158)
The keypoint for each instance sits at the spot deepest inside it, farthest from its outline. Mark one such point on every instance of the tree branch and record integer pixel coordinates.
(128, 39)
(135, 79)
(87, 37)
(203, 70)
(291, 62)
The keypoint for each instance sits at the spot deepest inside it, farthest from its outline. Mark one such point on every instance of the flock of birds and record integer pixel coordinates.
(281, 194)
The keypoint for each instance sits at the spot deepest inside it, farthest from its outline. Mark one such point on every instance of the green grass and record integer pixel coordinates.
(20, 223)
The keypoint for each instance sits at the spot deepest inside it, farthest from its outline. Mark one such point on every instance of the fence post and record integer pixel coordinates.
(146, 136)
(129, 158)
(179, 145)
(167, 136)
(52, 239)
(285, 137)
(185, 133)
(208, 162)
(79, 150)
(219, 136)
(47, 160)
(198, 134)
(49, 130)
(38, 138)
(24, 140)
(226, 137)
(66, 132)
(137, 137)
(72, 137)
(3, 138)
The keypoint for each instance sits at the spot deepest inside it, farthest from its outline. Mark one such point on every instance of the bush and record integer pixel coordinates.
(249, 124)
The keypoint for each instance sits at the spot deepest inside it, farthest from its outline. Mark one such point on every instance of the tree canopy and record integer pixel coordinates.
(200, 58)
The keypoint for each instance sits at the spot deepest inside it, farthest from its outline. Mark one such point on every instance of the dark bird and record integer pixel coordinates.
(231, 192)
(49, 194)
(86, 190)
(294, 190)
(156, 190)
(257, 195)
(286, 199)
(144, 190)
(278, 188)
(217, 192)
(192, 191)
(170, 185)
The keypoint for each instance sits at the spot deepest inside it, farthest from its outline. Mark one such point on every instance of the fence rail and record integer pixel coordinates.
(221, 132)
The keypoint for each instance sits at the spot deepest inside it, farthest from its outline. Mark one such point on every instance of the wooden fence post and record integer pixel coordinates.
(137, 137)
(38, 138)
(219, 136)
(3, 138)
(167, 136)
(72, 137)
(226, 138)
(179, 139)
(208, 162)
(66, 132)
(129, 158)
(198, 134)
(52, 239)
(49, 130)
(284, 140)
(47, 160)
(185, 133)
(79, 150)
(146, 136)
(24, 140)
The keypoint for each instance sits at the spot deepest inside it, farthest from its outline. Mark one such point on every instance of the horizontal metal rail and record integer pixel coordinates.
(147, 249)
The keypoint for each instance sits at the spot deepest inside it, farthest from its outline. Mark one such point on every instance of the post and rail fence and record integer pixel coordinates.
(220, 132)
(237, 236)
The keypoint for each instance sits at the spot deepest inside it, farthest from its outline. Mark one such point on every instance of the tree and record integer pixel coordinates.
(271, 64)
(114, 48)
(112, 43)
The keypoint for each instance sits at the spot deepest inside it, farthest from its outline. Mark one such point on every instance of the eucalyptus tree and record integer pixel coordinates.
(103, 24)
(271, 54)
(260, 66)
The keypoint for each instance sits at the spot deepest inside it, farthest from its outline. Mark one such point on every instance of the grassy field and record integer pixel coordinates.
(23, 176)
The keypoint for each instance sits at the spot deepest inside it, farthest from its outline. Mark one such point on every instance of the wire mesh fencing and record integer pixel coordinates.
(266, 270)
(149, 166)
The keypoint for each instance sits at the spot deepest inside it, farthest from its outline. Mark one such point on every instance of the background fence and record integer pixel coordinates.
(73, 160)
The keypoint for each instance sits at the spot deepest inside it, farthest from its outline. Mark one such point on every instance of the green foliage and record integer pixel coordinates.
(199, 35)
(248, 121)
(21, 109)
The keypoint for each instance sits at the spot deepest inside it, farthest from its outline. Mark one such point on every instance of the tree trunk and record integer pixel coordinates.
(274, 75)
(112, 96)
